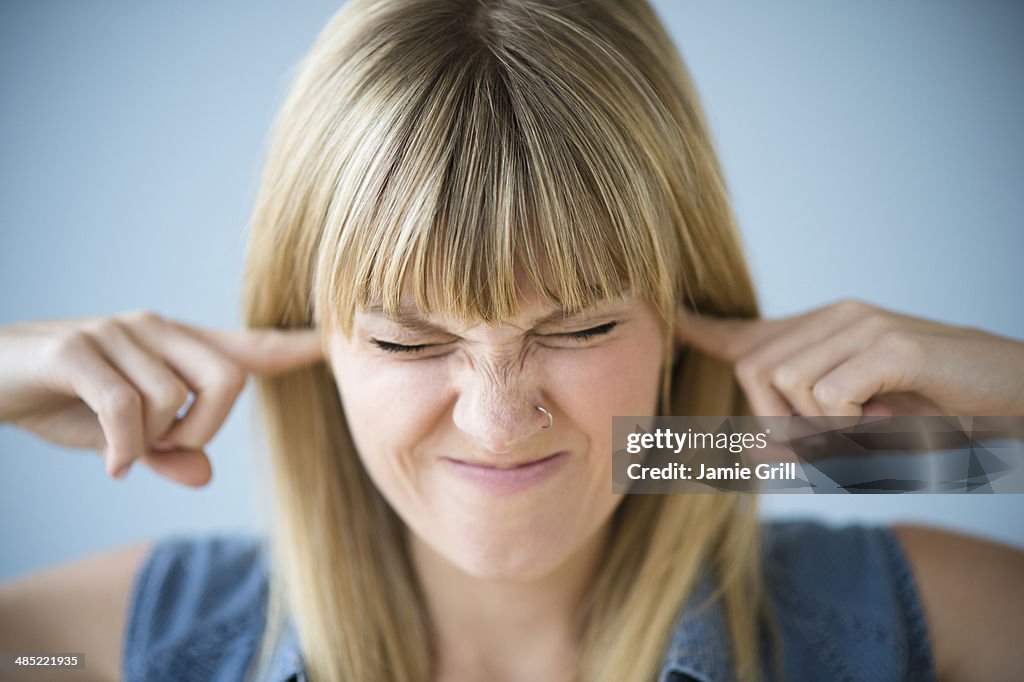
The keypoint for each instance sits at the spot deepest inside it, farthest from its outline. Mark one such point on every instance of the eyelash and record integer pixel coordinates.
(582, 335)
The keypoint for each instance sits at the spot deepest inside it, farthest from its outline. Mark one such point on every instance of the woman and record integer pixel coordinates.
(485, 228)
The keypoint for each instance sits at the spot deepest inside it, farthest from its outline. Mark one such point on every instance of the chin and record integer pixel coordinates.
(508, 559)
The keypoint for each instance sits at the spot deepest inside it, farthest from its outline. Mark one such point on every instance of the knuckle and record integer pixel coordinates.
(171, 396)
(69, 344)
(786, 378)
(104, 327)
(748, 371)
(230, 378)
(827, 393)
(142, 318)
(854, 307)
(880, 323)
(120, 400)
(899, 342)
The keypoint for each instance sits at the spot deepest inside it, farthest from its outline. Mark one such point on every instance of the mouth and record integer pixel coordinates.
(502, 466)
(506, 478)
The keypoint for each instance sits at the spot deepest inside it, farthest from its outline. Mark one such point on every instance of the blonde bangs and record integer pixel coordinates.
(483, 176)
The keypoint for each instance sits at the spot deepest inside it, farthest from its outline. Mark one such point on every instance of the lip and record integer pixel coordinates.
(507, 480)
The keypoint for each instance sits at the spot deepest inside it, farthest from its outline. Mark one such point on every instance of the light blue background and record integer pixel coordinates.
(873, 150)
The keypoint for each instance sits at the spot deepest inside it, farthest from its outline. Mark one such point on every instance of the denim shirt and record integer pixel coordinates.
(844, 602)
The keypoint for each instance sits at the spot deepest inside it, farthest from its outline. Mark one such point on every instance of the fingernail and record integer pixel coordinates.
(164, 446)
(123, 471)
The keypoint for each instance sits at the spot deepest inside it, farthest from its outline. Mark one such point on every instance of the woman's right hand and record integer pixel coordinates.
(116, 384)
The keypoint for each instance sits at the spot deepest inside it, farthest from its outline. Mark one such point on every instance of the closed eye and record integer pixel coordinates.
(586, 334)
(582, 335)
(399, 348)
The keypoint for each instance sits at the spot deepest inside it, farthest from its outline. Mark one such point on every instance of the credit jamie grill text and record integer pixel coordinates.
(815, 455)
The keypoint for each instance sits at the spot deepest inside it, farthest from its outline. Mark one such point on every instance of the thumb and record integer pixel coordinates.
(266, 350)
(188, 467)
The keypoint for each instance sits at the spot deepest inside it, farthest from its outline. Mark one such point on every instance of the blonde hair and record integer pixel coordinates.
(448, 143)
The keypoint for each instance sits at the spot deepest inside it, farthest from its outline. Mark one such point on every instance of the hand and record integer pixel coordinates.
(116, 384)
(855, 359)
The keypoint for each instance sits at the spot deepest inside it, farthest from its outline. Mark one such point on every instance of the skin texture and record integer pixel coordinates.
(472, 396)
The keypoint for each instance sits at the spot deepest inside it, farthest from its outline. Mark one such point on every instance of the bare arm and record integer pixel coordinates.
(79, 607)
(973, 597)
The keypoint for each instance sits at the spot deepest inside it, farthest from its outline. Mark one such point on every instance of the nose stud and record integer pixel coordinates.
(551, 420)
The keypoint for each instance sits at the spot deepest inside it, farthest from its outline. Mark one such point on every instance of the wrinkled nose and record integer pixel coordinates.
(499, 417)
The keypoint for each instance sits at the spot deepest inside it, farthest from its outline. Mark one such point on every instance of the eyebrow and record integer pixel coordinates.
(410, 318)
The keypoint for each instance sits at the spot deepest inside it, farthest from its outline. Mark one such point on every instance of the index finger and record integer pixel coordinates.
(726, 338)
(266, 350)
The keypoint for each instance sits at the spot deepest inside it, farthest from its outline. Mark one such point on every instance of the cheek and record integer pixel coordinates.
(388, 405)
(620, 378)
(595, 385)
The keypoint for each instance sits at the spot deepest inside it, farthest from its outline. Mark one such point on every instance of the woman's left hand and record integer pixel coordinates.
(851, 358)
